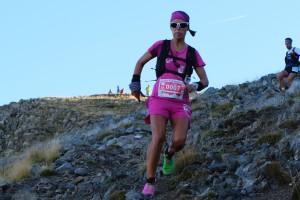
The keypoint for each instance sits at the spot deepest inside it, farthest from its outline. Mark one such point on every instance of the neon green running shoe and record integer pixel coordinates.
(169, 165)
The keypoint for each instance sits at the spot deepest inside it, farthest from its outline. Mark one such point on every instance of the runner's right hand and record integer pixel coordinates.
(137, 95)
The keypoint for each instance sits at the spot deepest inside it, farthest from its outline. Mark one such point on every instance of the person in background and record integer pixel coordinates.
(291, 69)
(122, 91)
(110, 93)
(148, 90)
(170, 97)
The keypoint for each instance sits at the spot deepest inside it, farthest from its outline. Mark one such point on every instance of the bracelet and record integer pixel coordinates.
(198, 86)
(135, 86)
(136, 78)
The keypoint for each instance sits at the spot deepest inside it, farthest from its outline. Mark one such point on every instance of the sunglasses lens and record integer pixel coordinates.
(181, 25)
(173, 25)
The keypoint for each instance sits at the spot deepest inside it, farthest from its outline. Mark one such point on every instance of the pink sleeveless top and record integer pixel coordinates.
(170, 86)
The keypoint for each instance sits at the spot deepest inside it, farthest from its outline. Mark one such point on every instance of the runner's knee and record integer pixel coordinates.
(178, 144)
(279, 76)
(289, 81)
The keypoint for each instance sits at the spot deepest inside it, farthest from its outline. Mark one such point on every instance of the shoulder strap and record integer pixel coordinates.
(190, 60)
(161, 60)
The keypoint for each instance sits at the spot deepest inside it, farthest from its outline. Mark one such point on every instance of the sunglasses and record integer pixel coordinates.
(179, 24)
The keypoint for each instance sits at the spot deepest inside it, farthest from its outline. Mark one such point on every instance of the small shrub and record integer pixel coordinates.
(185, 158)
(46, 153)
(288, 154)
(105, 134)
(290, 102)
(298, 109)
(217, 133)
(90, 162)
(269, 138)
(117, 195)
(296, 192)
(275, 170)
(290, 124)
(51, 152)
(175, 180)
(202, 156)
(47, 172)
(111, 180)
(35, 155)
(143, 168)
(241, 120)
(218, 156)
(198, 106)
(19, 170)
(222, 110)
(268, 109)
(211, 195)
(296, 94)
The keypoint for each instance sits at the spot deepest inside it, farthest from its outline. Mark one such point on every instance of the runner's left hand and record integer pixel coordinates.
(190, 88)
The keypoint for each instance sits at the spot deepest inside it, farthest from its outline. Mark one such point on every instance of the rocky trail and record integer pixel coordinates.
(243, 143)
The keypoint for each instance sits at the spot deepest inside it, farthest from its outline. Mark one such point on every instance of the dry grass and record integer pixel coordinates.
(118, 195)
(290, 124)
(269, 138)
(185, 158)
(275, 170)
(222, 110)
(97, 105)
(104, 134)
(296, 192)
(44, 154)
(21, 169)
(143, 168)
(18, 171)
(198, 106)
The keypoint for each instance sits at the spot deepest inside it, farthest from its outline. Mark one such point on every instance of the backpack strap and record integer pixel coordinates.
(161, 60)
(295, 56)
(190, 61)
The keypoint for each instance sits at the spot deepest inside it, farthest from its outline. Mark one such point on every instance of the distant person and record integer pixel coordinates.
(118, 89)
(110, 92)
(122, 91)
(170, 96)
(291, 69)
(148, 90)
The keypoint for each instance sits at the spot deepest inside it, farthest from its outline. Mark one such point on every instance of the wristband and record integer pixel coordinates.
(136, 78)
(198, 85)
(135, 86)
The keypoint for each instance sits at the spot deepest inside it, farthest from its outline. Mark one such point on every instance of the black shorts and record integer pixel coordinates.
(292, 70)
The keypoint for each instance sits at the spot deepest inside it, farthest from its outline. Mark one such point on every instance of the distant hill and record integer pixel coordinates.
(243, 143)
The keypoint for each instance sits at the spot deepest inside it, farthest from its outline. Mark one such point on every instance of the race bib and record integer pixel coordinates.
(295, 69)
(171, 88)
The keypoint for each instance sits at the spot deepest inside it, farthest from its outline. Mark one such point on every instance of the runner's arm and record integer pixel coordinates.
(136, 78)
(141, 62)
(297, 51)
(200, 71)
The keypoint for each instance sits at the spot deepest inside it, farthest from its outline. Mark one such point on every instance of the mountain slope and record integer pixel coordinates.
(244, 141)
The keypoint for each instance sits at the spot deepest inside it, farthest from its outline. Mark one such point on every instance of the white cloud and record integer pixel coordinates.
(228, 19)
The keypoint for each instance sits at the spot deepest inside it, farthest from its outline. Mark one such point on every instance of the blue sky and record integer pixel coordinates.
(71, 48)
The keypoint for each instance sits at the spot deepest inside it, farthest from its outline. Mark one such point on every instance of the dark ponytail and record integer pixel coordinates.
(193, 33)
